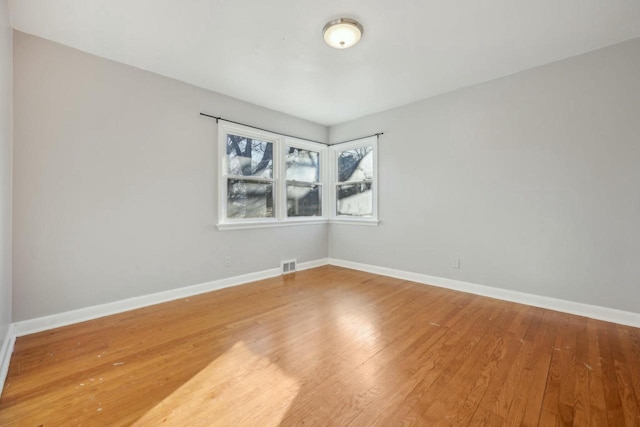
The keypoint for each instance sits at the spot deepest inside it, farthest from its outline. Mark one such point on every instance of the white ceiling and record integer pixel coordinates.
(271, 53)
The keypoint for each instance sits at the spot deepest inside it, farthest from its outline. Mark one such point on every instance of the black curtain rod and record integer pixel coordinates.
(255, 127)
(284, 134)
(355, 139)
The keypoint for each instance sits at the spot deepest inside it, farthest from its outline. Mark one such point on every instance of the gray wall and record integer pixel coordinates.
(115, 184)
(533, 180)
(5, 168)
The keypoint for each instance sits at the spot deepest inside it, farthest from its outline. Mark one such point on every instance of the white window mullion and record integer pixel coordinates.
(332, 171)
(250, 178)
(222, 183)
(281, 198)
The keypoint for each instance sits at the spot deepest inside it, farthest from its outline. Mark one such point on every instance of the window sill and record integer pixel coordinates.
(353, 221)
(309, 221)
(269, 224)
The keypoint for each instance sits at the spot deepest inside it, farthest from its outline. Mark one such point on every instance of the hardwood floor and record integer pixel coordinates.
(328, 346)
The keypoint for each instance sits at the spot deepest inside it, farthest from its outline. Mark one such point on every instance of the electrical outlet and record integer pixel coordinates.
(227, 261)
(456, 263)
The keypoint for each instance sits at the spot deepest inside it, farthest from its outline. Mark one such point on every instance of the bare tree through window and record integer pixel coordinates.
(249, 198)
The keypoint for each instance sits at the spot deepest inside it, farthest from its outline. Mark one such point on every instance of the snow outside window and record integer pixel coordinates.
(355, 188)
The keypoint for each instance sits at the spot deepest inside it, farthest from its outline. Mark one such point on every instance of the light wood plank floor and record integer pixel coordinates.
(328, 346)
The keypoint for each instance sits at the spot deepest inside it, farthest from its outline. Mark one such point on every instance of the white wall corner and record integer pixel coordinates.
(5, 355)
(592, 311)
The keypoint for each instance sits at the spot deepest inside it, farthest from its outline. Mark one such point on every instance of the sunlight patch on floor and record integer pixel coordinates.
(258, 389)
(359, 328)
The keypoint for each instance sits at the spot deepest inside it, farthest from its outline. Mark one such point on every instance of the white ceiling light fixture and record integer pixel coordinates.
(342, 33)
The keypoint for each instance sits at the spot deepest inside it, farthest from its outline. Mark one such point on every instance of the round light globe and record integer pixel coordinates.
(342, 33)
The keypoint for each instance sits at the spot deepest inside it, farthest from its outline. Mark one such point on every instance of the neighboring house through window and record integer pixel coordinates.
(355, 181)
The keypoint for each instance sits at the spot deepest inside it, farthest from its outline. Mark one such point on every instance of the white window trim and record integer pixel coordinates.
(324, 160)
(334, 218)
(279, 178)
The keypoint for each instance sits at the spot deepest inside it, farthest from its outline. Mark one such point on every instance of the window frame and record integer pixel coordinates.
(280, 143)
(334, 182)
(322, 151)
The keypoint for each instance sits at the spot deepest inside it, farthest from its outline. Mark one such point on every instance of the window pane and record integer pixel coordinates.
(304, 200)
(355, 165)
(249, 157)
(302, 165)
(249, 199)
(355, 199)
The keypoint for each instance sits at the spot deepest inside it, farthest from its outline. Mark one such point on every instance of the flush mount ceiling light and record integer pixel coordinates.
(342, 33)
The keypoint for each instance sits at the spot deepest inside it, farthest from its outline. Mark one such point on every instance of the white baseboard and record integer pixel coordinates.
(5, 355)
(40, 324)
(312, 264)
(593, 311)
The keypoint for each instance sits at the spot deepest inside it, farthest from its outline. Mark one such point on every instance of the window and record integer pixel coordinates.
(355, 182)
(304, 188)
(267, 179)
(250, 181)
